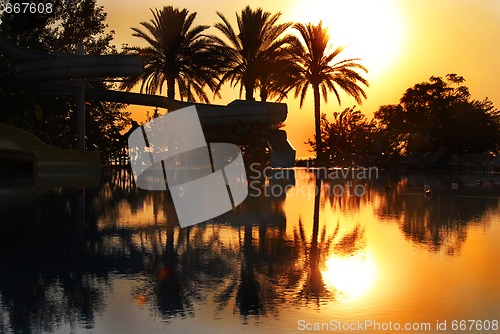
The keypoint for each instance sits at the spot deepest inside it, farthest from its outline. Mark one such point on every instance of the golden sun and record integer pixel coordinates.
(370, 30)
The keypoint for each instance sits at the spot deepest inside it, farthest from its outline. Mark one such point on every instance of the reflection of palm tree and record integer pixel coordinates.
(311, 284)
(314, 61)
(250, 51)
(256, 289)
(177, 53)
(191, 260)
(248, 296)
(314, 285)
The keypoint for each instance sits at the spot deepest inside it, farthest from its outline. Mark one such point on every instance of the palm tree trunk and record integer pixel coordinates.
(263, 94)
(249, 86)
(171, 88)
(317, 124)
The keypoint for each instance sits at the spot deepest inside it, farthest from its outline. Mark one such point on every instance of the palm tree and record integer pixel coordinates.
(277, 76)
(314, 61)
(177, 53)
(250, 51)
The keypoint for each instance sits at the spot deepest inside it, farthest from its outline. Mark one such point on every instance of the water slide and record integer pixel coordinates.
(60, 74)
(25, 158)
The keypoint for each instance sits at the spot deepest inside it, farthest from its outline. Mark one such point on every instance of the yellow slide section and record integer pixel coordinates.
(20, 150)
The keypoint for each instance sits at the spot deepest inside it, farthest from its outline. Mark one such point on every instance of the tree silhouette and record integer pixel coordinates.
(444, 113)
(50, 117)
(253, 52)
(177, 53)
(277, 75)
(314, 58)
(349, 133)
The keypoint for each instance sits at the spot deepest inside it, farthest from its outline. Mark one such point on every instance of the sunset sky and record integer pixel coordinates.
(401, 42)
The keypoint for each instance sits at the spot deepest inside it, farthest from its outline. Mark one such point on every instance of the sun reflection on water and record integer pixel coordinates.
(351, 276)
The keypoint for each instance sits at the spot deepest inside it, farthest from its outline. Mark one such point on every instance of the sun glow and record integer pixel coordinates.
(370, 30)
(351, 276)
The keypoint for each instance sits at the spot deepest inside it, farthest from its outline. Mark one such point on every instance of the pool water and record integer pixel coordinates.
(301, 254)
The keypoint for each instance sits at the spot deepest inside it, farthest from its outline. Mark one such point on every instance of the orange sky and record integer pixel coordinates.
(401, 42)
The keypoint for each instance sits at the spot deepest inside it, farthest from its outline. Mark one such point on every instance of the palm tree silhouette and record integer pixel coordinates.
(177, 53)
(313, 59)
(277, 76)
(251, 53)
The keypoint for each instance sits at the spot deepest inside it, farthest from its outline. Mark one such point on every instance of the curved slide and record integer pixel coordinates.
(39, 72)
(43, 73)
(20, 150)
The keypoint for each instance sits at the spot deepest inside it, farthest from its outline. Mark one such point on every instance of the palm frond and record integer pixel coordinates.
(251, 50)
(178, 54)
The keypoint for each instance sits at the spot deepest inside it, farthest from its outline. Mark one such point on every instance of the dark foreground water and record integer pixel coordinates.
(357, 256)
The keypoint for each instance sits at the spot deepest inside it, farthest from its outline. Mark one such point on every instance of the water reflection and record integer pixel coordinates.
(311, 283)
(271, 255)
(351, 276)
(442, 219)
(47, 277)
